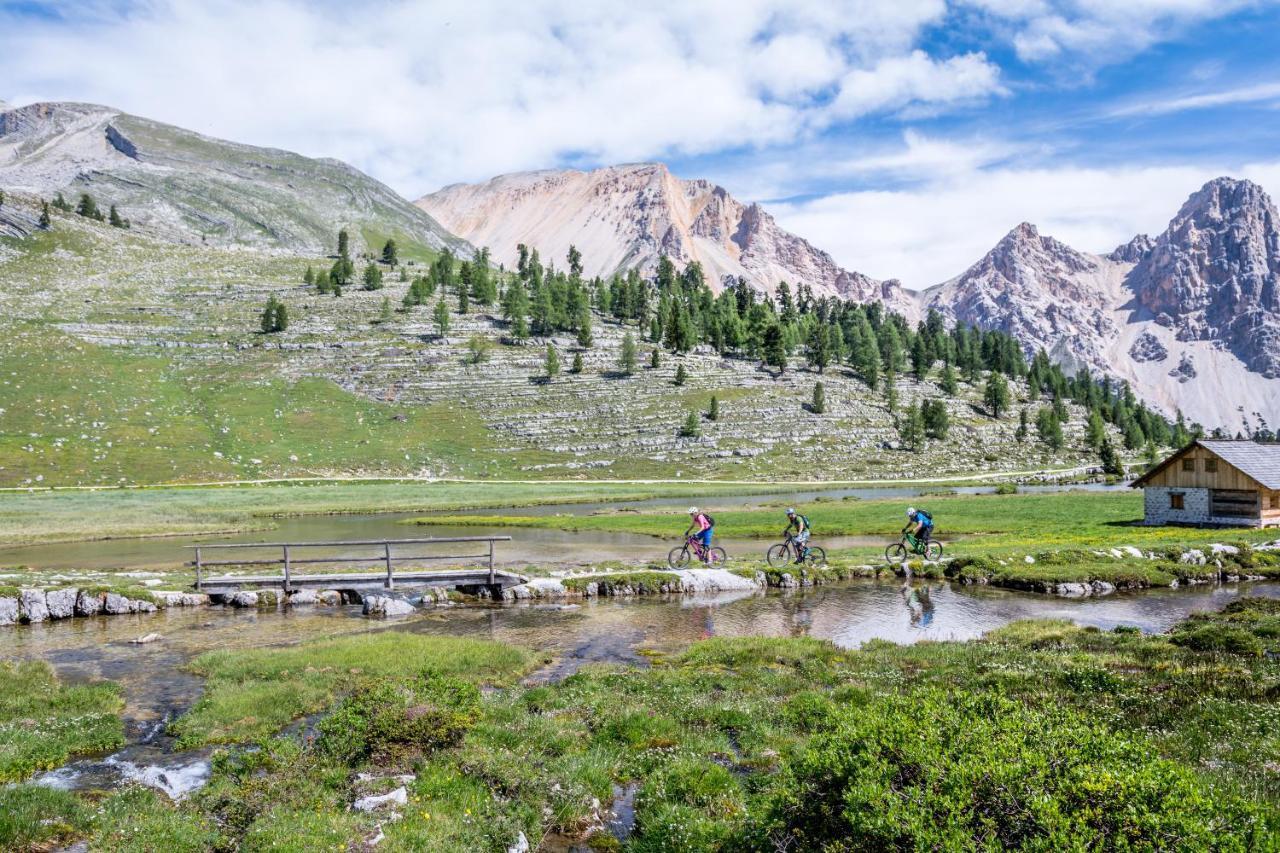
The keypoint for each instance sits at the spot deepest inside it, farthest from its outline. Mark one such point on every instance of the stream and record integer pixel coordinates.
(157, 688)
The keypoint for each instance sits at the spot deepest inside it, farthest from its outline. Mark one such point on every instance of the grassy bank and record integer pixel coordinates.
(1039, 736)
(970, 524)
(65, 516)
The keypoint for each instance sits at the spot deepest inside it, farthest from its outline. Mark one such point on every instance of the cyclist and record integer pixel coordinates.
(705, 527)
(923, 524)
(800, 524)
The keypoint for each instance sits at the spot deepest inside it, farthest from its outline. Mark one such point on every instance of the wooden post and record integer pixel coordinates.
(198, 570)
(490, 562)
(386, 551)
(287, 588)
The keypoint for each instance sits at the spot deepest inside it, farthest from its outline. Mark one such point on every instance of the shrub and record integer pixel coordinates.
(1007, 489)
(392, 718)
(1212, 636)
(941, 771)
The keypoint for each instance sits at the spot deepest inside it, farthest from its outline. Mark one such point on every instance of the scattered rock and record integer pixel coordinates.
(1073, 590)
(329, 598)
(302, 596)
(181, 599)
(146, 638)
(8, 611)
(1136, 553)
(398, 797)
(246, 598)
(385, 605)
(32, 606)
(61, 603)
(1194, 557)
(521, 845)
(1102, 588)
(1224, 549)
(1029, 559)
(115, 604)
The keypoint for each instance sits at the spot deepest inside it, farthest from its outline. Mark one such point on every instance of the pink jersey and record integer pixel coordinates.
(701, 520)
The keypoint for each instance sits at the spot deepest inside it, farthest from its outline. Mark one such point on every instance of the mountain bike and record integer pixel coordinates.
(788, 551)
(692, 549)
(899, 551)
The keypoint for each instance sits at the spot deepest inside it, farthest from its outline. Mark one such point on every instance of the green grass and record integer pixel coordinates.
(968, 524)
(63, 516)
(251, 694)
(44, 722)
(33, 817)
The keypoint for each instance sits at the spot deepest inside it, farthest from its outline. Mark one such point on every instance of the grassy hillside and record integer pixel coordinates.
(128, 360)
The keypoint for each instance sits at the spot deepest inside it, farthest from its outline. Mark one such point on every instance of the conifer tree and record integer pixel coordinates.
(344, 244)
(681, 375)
(478, 347)
(552, 362)
(88, 208)
(890, 391)
(775, 348)
(911, 427)
(390, 257)
(818, 405)
(441, 316)
(627, 356)
(1021, 432)
(515, 307)
(948, 382)
(818, 351)
(996, 394)
(61, 203)
(691, 428)
(919, 358)
(372, 277)
(464, 299)
(1096, 431)
(1, 198)
(1049, 428)
(577, 363)
(1111, 462)
(384, 314)
(45, 221)
(275, 317)
(584, 327)
(713, 409)
(309, 277)
(655, 360)
(116, 220)
(937, 422)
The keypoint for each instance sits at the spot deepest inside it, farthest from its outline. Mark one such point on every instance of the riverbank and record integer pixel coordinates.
(1039, 731)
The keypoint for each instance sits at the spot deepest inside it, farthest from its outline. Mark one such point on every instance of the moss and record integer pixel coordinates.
(643, 582)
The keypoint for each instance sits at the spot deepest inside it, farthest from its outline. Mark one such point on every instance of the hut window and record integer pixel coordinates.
(1210, 466)
(1188, 464)
(1175, 501)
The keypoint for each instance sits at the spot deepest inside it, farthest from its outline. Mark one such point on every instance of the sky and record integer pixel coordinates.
(905, 137)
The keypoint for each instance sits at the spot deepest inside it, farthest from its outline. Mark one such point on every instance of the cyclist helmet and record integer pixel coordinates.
(791, 511)
(693, 510)
(911, 512)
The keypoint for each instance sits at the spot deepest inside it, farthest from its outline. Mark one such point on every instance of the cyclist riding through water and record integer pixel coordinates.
(800, 524)
(704, 527)
(923, 524)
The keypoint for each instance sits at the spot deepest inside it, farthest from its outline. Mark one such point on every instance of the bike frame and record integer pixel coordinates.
(696, 544)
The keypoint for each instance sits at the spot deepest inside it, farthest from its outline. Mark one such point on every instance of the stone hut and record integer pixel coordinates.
(1215, 482)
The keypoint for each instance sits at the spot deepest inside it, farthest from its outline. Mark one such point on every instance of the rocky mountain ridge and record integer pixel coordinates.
(622, 217)
(1191, 318)
(187, 187)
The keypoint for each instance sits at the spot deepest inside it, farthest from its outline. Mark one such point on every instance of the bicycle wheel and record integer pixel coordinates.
(896, 553)
(716, 558)
(933, 551)
(779, 555)
(817, 556)
(679, 557)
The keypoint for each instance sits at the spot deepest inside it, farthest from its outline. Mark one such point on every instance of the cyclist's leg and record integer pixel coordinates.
(706, 544)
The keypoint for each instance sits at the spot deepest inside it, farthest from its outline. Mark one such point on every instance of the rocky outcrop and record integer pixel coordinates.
(8, 610)
(61, 603)
(1214, 274)
(624, 217)
(1147, 347)
(32, 606)
(385, 606)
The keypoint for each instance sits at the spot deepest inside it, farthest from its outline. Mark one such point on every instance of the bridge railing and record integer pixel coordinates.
(387, 556)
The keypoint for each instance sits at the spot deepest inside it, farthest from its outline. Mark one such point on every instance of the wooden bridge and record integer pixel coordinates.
(384, 554)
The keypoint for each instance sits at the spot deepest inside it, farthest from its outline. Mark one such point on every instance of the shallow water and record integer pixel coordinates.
(531, 545)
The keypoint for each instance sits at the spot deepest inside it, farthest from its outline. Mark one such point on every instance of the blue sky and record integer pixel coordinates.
(905, 137)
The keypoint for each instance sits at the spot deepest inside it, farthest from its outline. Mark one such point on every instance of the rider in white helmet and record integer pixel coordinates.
(922, 522)
(701, 523)
(801, 525)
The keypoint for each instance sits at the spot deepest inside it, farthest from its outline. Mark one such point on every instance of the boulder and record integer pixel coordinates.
(89, 603)
(146, 638)
(61, 603)
(1224, 549)
(1073, 590)
(8, 610)
(138, 605)
(246, 598)
(1102, 588)
(1029, 560)
(1133, 552)
(787, 581)
(182, 599)
(301, 596)
(398, 797)
(1194, 557)
(521, 845)
(385, 605)
(32, 606)
(329, 598)
(114, 604)
(434, 595)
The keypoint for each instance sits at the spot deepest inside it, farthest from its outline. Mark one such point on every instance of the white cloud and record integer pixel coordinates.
(1258, 93)
(927, 234)
(421, 94)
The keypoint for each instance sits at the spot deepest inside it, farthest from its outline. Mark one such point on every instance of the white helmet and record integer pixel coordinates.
(693, 510)
(911, 512)
(791, 510)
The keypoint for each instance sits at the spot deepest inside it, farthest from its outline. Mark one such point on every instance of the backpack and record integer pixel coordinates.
(807, 525)
(711, 519)
(924, 517)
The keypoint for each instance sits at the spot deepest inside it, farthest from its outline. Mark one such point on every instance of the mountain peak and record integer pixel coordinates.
(627, 216)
